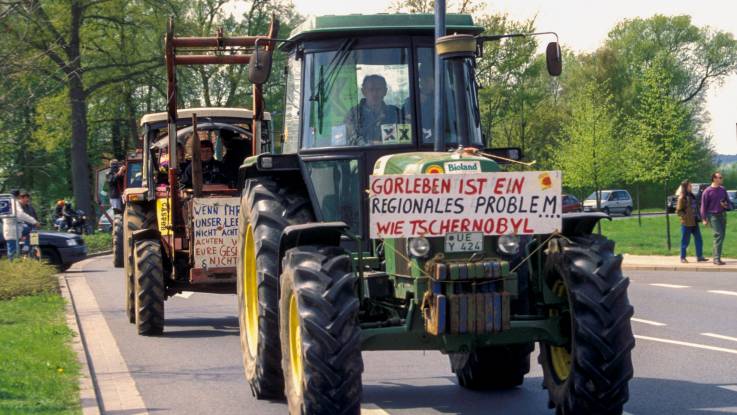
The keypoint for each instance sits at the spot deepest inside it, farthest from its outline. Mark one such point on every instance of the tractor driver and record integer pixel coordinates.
(364, 121)
(213, 171)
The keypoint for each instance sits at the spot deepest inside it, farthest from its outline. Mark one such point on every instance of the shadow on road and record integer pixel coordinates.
(647, 396)
(84, 271)
(201, 327)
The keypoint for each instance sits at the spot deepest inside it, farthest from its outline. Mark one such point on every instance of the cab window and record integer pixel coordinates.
(357, 97)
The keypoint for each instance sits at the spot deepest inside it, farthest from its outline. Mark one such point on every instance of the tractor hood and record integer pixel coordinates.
(434, 162)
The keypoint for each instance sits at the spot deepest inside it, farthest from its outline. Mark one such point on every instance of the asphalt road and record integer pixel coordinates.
(685, 359)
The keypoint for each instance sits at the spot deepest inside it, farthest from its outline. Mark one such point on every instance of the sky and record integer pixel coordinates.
(583, 25)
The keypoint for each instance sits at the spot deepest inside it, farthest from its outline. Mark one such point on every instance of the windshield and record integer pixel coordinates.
(464, 104)
(357, 97)
(604, 196)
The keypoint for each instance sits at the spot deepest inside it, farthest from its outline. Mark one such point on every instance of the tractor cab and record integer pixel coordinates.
(359, 88)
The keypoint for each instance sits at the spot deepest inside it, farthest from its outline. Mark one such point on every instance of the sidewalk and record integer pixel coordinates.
(673, 263)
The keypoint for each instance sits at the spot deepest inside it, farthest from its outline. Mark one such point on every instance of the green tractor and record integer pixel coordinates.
(371, 231)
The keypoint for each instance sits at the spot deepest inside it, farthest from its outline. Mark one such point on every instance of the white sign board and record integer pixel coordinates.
(521, 203)
(7, 207)
(216, 232)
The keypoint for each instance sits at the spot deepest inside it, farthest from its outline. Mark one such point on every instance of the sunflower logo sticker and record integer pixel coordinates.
(546, 182)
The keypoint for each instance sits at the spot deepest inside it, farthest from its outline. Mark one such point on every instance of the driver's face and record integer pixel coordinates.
(206, 153)
(374, 91)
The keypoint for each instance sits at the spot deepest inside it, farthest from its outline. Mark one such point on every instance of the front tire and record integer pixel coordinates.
(267, 207)
(149, 287)
(118, 254)
(320, 337)
(500, 367)
(590, 374)
(135, 217)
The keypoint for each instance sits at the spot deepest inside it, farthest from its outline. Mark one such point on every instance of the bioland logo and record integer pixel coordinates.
(456, 167)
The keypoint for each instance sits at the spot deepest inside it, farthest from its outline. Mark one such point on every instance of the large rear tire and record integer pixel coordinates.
(136, 217)
(118, 241)
(149, 287)
(267, 207)
(500, 367)
(590, 374)
(320, 337)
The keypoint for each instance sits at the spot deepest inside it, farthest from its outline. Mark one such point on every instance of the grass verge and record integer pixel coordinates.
(38, 370)
(650, 238)
(98, 242)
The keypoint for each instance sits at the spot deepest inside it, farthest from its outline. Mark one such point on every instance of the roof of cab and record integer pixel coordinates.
(203, 113)
(320, 26)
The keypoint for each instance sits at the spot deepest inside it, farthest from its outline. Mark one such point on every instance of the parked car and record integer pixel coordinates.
(59, 248)
(104, 225)
(671, 202)
(612, 201)
(571, 204)
(732, 198)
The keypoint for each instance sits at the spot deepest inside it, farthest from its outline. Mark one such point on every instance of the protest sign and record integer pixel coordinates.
(216, 232)
(521, 203)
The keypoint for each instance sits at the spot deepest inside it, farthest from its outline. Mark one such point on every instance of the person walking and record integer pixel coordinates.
(714, 204)
(686, 209)
(24, 198)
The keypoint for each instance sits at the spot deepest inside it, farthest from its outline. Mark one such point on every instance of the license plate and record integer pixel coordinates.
(464, 242)
(34, 238)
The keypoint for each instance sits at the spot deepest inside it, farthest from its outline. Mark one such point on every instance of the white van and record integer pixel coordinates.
(612, 201)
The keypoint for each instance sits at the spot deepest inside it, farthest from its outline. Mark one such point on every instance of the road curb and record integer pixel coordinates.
(102, 253)
(89, 399)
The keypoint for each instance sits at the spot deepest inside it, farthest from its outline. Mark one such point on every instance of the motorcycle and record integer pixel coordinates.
(73, 221)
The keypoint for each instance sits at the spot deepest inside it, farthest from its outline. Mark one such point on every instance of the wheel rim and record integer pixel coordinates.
(560, 356)
(295, 345)
(250, 292)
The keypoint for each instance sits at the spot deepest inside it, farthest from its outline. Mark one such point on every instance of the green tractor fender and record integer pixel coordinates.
(316, 233)
(580, 224)
(271, 165)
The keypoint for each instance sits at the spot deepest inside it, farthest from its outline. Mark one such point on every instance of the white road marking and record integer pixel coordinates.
(670, 285)
(719, 336)
(694, 345)
(732, 388)
(723, 292)
(184, 294)
(372, 409)
(650, 322)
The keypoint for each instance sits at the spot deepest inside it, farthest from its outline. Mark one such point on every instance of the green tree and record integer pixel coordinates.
(588, 153)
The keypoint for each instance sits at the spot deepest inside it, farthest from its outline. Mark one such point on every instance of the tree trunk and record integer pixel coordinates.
(667, 217)
(78, 103)
(80, 162)
(132, 124)
(639, 210)
(117, 145)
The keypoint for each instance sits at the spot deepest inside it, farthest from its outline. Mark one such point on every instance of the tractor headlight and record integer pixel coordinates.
(419, 247)
(71, 242)
(508, 244)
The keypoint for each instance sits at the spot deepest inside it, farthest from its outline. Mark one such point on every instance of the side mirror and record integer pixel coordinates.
(259, 66)
(554, 59)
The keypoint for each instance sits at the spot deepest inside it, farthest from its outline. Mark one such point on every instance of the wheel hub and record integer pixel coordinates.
(250, 292)
(295, 345)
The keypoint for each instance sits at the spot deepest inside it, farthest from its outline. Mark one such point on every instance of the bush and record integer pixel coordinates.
(98, 242)
(26, 277)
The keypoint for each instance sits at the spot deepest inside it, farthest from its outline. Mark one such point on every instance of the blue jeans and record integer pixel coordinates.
(12, 246)
(26, 234)
(686, 232)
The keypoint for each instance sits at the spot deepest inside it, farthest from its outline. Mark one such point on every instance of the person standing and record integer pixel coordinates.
(714, 204)
(116, 179)
(686, 209)
(12, 228)
(24, 198)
